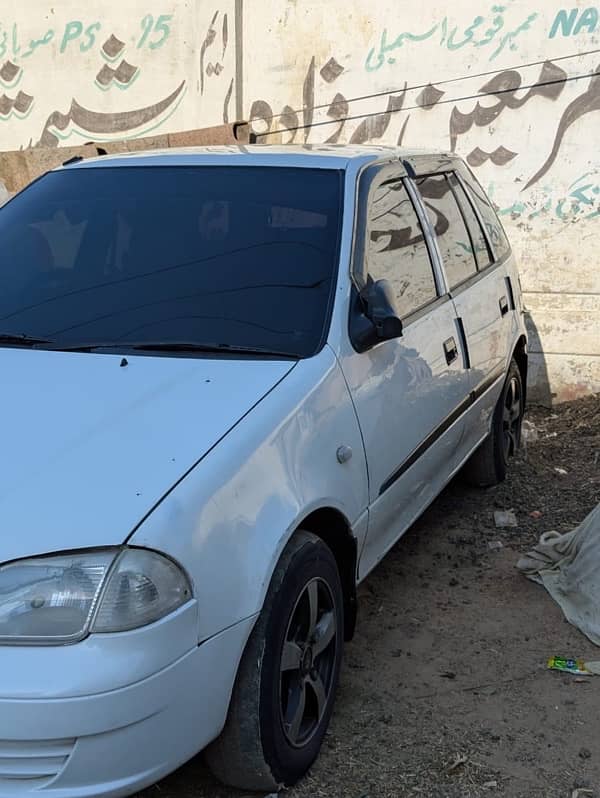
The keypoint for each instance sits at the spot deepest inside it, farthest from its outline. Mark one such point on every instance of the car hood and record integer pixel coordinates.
(91, 442)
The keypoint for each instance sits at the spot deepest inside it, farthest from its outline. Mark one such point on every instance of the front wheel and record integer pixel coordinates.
(285, 688)
(489, 464)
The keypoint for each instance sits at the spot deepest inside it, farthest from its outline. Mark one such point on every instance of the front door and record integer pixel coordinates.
(410, 393)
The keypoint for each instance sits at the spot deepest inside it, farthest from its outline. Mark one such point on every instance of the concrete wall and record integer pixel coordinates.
(510, 85)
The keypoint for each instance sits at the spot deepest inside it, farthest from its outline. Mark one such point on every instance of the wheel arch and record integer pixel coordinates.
(335, 531)
(521, 357)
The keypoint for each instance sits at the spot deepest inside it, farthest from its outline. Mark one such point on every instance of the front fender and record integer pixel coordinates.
(228, 521)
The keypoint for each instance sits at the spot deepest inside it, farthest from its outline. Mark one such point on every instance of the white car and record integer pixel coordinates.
(231, 380)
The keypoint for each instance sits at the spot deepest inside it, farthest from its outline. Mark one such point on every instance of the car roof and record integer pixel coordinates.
(317, 156)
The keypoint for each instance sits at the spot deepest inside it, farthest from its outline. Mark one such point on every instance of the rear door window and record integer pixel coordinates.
(479, 243)
(396, 248)
(453, 238)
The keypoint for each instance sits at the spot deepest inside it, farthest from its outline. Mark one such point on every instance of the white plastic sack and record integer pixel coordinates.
(569, 568)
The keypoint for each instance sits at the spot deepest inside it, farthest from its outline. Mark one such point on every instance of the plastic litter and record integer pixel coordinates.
(529, 433)
(562, 471)
(459, 761)
(575, 666)
(504, 518)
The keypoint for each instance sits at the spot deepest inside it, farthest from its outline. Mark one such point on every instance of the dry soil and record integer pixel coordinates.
(444, 691)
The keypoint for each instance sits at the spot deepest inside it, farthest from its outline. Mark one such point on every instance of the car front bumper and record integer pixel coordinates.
(113, 742)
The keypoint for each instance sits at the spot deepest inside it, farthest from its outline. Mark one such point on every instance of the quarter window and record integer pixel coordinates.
(494, 228)
(478, 240)
(396, 248)
(453, 237)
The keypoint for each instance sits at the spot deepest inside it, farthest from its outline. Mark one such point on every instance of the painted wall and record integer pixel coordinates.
(513, 86)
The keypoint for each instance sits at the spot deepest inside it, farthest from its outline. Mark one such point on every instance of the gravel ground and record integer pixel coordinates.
(444, 691)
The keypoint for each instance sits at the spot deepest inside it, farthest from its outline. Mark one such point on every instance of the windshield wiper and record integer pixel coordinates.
(174, 346)
(10, 339)
(189, 346)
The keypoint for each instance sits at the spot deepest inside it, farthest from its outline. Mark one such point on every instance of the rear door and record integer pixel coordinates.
(478, 285)
(410, 393)
(481, 216)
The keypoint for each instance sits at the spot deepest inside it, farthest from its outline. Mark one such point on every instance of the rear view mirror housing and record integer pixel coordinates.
(375, 318)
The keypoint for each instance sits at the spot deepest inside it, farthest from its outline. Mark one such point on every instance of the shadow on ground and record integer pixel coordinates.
(448, 664)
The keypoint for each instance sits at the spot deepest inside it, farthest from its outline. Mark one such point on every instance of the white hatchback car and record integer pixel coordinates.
(232, 378)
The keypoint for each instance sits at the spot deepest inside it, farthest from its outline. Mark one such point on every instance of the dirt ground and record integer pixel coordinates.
(444, 691)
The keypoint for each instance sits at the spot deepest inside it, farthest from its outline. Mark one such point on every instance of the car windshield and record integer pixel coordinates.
(229, 256)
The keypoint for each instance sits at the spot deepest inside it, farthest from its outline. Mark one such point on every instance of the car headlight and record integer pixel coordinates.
(61, 599)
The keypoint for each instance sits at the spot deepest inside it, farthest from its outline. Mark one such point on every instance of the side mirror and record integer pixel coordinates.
(376, 318)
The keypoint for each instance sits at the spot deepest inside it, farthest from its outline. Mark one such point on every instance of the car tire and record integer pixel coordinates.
(489, 464)
(285, 687)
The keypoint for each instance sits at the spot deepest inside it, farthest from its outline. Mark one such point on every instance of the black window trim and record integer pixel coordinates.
(468, 191)
(453, 288)
(494, 263)
(490, 251)
(358, 272)
(453, 163)
(479, 217)
(357, 257)
(435, 257)
(471, 278)
(336, 267)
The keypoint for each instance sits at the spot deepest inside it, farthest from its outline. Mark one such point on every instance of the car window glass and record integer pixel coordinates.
(396, 249)
(494, 228)
(452, 235)
(478, 239)
(239, 256)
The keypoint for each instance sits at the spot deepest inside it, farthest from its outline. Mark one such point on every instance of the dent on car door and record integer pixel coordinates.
(409, 392)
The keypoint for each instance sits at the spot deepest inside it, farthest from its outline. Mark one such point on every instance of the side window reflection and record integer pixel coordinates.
(396, 249)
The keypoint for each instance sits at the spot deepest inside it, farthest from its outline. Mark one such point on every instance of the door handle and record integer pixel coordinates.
(450, 350)
(503, 305)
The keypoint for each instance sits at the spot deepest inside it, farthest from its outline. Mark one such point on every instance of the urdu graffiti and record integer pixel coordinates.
(79, 35)
(466, 115)
(342, 119)
(217, 38)
(117, 59)
(491, 32)
(581, 201)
